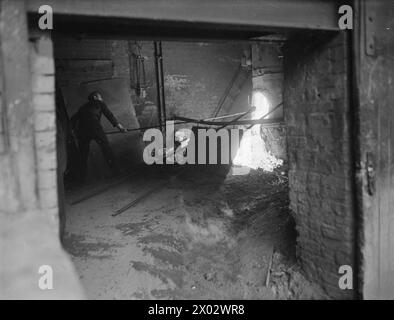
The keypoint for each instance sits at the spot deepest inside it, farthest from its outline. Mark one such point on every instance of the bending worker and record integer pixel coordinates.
(86, 126)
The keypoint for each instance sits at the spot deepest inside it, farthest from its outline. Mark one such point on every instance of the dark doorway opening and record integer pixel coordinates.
(194, 231)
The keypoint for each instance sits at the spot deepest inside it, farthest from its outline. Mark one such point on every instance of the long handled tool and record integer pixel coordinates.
(267, 114)
(237, 118)
(180, 120)
(212, 122)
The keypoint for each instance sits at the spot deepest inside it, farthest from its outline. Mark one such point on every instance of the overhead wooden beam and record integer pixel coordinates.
(290, 14)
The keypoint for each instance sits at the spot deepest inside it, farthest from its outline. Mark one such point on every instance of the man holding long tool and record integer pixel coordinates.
(86, 126)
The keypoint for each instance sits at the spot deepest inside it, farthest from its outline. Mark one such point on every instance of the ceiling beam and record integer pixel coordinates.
(253, 14)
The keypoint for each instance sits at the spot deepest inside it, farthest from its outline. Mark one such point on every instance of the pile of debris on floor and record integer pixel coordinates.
(204, 234)
(242, 235)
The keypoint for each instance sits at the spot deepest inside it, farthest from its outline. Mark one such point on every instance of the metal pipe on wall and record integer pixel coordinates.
(163, 99)
(160, 84)
(158, 89)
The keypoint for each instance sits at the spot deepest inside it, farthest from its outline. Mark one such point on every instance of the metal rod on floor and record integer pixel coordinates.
(134, 202)
(144, 195)
(268, 277)
(102, 189)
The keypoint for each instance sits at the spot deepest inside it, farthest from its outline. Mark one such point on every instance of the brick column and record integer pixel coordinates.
(43, 81)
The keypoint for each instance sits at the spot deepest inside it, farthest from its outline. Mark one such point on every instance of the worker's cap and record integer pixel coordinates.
(94, 94)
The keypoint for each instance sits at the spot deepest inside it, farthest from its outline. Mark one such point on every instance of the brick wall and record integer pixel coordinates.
(317, 118)
(43, 88)
(196, 76)
(30, 237)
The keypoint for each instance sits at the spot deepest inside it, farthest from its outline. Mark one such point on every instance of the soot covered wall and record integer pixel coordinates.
(317, 117)
(196, 75)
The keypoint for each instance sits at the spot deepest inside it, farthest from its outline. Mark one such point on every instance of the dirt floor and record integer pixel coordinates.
(205, 234)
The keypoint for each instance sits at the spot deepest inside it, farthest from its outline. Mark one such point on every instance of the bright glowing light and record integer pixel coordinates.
(260, 102)
(252, 152)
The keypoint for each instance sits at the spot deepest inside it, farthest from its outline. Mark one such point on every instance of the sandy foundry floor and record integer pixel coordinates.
(205, 235)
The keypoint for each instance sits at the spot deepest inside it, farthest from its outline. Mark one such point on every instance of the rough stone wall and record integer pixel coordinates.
(317, 118)
(275, 140)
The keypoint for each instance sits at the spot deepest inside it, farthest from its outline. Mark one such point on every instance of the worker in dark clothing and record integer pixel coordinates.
(87, 127)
